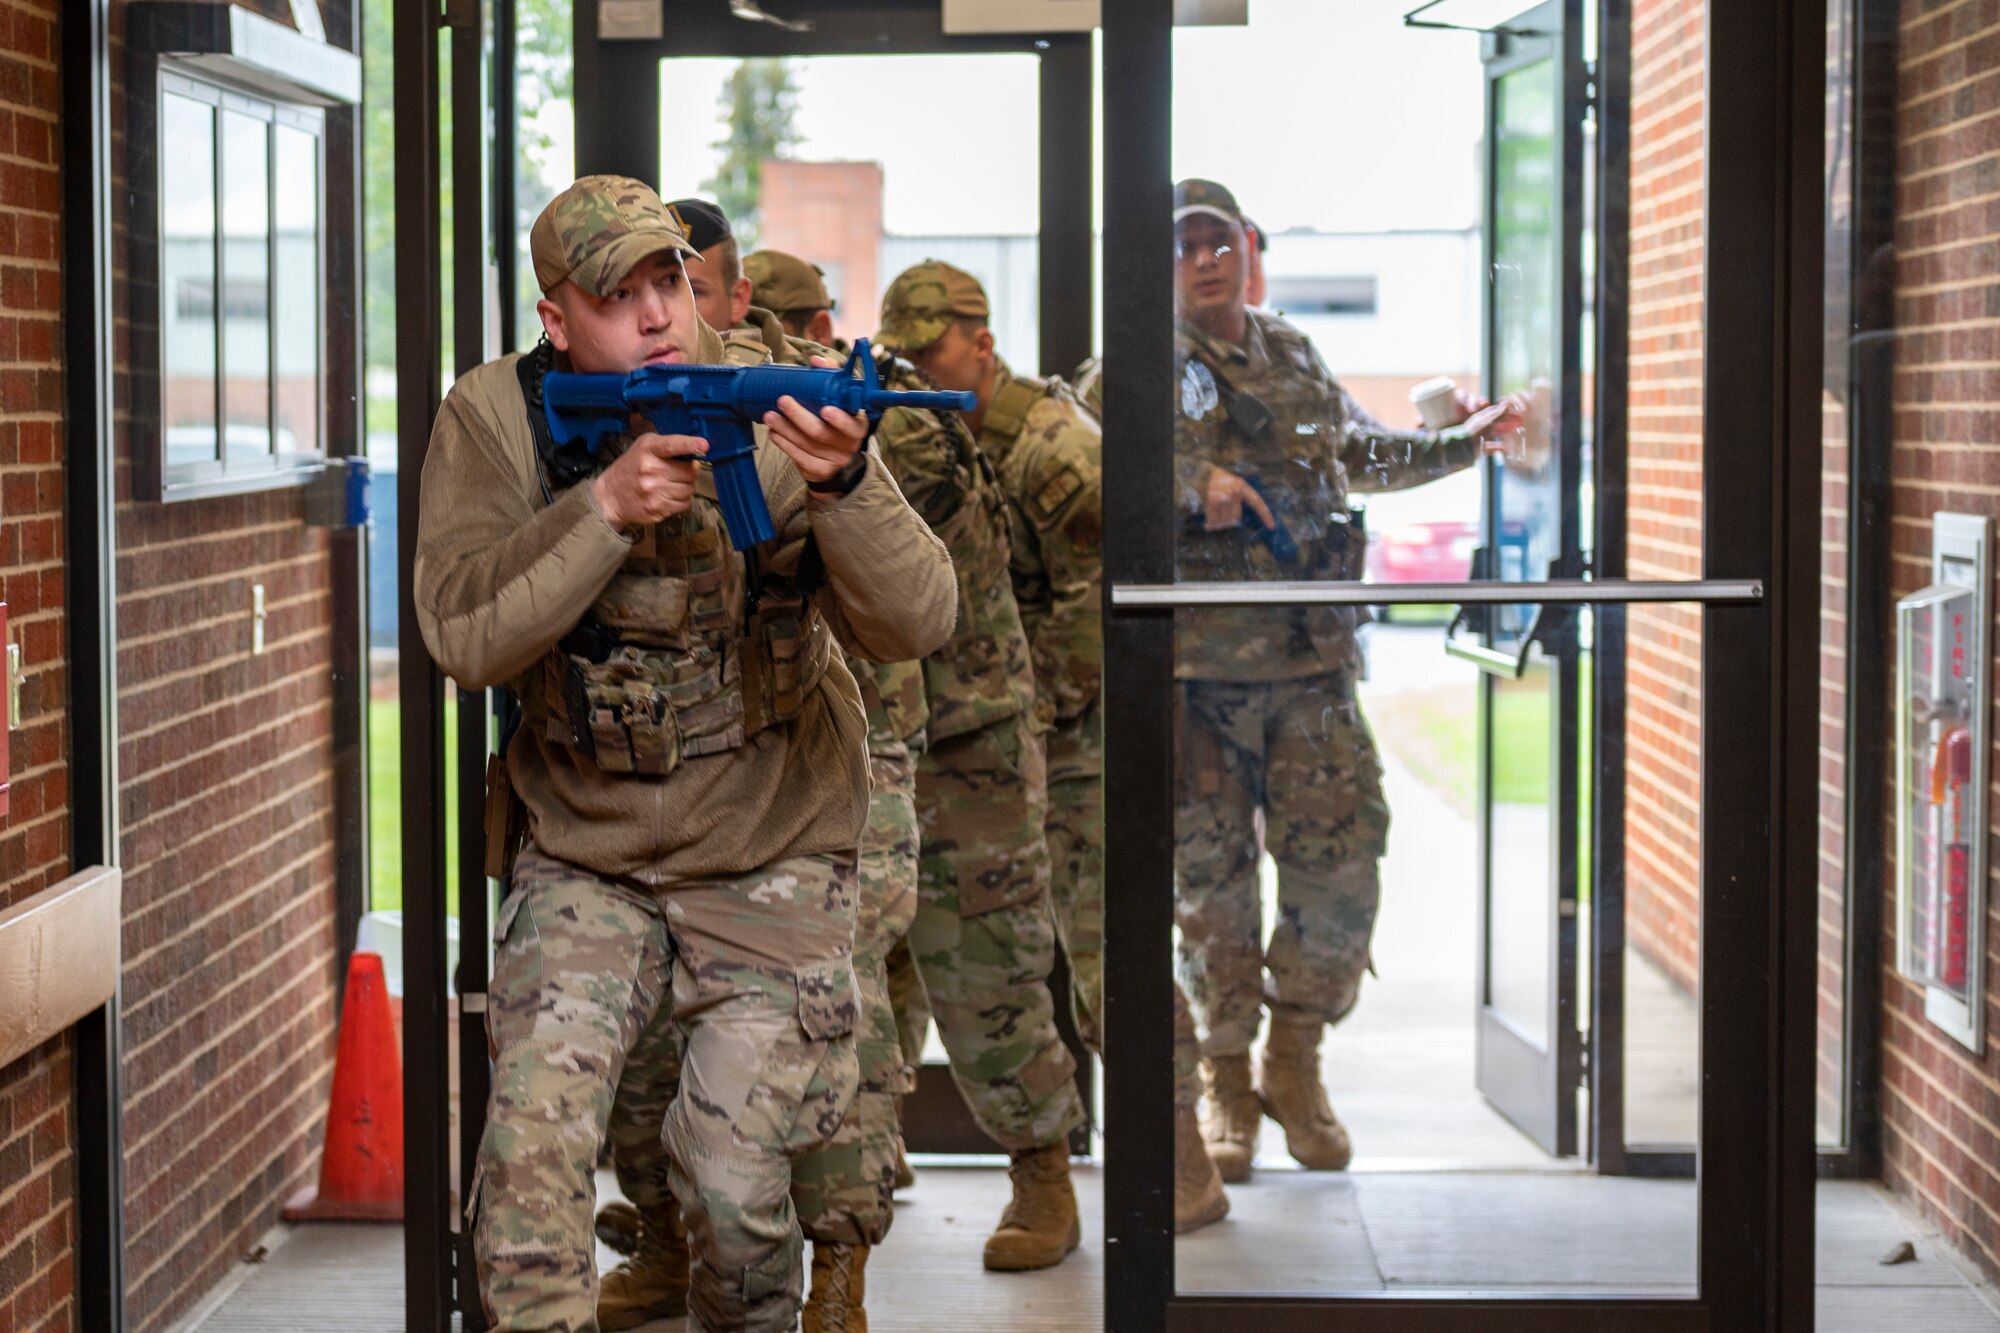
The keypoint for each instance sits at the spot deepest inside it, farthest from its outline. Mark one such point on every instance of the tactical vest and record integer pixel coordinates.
(983, 673)
(1292, 446)
(1007, 414)
(689, 650)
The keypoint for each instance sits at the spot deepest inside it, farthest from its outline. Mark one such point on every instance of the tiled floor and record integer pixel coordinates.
(1369, 1231)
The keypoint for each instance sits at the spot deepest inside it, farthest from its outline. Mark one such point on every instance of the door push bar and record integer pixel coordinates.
(1573, 592)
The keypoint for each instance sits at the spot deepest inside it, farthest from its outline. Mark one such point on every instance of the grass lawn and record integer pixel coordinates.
(385, 806)
(1433, 733)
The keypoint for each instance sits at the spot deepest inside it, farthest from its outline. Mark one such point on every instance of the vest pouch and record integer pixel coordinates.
(647, 609)
(621, 714)
(785, 642)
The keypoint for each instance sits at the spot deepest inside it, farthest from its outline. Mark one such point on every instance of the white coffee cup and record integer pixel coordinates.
(1436, 401)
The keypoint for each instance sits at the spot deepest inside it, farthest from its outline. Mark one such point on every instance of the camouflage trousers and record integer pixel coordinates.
(1076, 857)
(764, 1000)
(843, 1191)
(1299, 752)
(982, 940)
(908, 1003)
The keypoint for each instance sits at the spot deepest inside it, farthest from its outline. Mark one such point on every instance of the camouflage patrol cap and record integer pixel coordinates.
(595, 231)
(782, 283)
(1195, 195)
(923, 302)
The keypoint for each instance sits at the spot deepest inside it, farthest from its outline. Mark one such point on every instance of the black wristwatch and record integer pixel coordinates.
(844, 481)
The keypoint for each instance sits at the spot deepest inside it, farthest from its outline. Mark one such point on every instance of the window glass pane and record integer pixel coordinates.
(246, 291)
(187, 280)
(813, 179)
(298, 293)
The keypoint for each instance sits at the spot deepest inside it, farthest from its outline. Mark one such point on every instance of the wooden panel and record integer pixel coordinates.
(58, 958)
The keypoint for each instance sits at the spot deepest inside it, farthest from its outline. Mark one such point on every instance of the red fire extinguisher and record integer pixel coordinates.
(1951, 777)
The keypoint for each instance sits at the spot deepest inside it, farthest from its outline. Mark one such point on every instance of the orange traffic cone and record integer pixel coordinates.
(361, 1171)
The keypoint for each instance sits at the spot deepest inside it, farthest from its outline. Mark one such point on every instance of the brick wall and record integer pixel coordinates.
(1941, 1105)
(830, 213)
(37, 1118)
(226, 772)
(1663, 670)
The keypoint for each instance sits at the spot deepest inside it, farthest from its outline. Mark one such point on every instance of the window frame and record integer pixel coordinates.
(218, 476)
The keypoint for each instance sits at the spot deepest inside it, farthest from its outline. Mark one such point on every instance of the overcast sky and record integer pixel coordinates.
(1321, 113)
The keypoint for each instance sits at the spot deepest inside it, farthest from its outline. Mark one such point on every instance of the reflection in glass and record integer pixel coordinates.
(298, 295)
(188, 305)
(1457, 1099)
(1526, 500)
(246, 292)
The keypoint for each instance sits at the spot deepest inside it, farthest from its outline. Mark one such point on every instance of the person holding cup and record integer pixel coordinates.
(1267, 446)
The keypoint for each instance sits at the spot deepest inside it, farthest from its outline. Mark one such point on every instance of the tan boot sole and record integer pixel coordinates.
(1232, 1162)
(1334, 1159)
(1210, 1208)
(1026, 1262)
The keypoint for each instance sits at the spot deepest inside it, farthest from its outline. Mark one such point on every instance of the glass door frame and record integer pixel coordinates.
(1764, 154)
(935, 1116)
(1533, 1085)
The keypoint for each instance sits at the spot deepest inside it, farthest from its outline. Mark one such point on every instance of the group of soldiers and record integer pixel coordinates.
(774, 812)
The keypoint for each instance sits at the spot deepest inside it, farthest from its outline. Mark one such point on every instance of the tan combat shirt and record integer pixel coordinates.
(1052, 470)
(501, 575)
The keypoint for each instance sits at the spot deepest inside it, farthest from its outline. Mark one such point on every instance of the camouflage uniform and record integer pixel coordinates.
(650, 682)
(982, 941)
(1048, 452)
(1268, 717)
(1089, 384)
(843, 1190)
(763, 1000)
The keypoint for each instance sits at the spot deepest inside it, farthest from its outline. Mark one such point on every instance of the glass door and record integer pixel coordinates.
(1344, 822)
(1529, 654)
(863, 196)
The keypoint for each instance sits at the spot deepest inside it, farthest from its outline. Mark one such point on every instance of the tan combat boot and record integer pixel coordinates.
(618, 1226)
(653, 1283)
(1040, 1225)
(1198, 1196)
(1294, 1097)
(1233, 1116)
(839, 1281)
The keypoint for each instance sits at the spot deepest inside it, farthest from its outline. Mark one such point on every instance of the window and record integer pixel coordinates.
(1324, 296)
(241, 298)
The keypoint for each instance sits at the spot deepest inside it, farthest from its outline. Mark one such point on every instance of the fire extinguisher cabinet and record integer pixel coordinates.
(1943, 699)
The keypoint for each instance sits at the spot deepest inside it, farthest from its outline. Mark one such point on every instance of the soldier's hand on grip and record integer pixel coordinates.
(1226, 497)
(652, 480)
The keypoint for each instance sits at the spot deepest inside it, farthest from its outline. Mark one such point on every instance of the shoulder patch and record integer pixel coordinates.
(1198, 392)
(1055, 493)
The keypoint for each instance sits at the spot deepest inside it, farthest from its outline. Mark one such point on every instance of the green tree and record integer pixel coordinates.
(759, 107)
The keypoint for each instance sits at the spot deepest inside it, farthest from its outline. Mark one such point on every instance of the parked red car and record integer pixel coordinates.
(1434, 552)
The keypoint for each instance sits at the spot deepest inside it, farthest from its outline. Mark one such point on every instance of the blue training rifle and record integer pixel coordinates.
(721, 404)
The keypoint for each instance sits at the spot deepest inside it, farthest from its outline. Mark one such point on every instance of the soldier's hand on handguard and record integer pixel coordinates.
(1226, 496)
(821, 446)
(651, 480)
